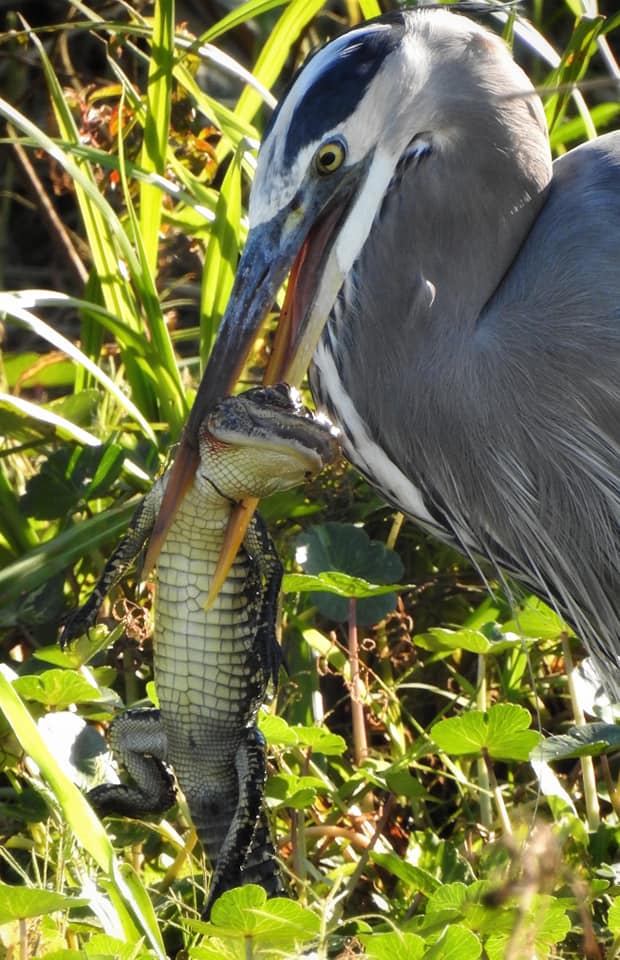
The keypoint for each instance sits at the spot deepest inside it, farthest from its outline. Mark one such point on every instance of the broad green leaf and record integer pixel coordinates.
(70, 475)
(545, 924)
(102, 945)
(283, 921)
(392, 946)
(21, 902)
(402, 783)
(449, 896)
(278, 732)
(589, 741)
(334, 581)
(57, 688)
(349, 549)
(245, 913)
(294, 791)
(83, 649)
(439, 638)
(345, 548)
(534, 618)
(455, 943)
(502, 731)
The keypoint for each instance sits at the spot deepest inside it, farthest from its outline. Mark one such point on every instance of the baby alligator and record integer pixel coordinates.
(212, 667)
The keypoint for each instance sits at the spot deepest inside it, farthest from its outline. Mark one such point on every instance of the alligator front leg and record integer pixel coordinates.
(138, 740)
(127, 551)
(229, 871)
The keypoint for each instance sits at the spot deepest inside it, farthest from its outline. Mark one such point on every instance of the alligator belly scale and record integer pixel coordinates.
(212, 667)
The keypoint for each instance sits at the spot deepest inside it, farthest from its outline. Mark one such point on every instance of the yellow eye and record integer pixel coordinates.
(329, 157)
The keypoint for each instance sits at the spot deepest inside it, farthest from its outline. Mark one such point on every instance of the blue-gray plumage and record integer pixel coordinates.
(459, 297)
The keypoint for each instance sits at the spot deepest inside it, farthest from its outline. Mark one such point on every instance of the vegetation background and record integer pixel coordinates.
(433, 790)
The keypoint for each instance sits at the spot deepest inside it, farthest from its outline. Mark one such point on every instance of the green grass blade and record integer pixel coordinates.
(572, 67)
(16, 529)
(370, 8)
(156, 126)
(234, 128)
(56, 555)
(63, 427)
(105, 233)
(221, 257)
(12, 305)
(241, 14)
(275, 52)
(161, 359)
(113, 257)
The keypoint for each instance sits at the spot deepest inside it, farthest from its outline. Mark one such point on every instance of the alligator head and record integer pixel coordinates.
(263, 441)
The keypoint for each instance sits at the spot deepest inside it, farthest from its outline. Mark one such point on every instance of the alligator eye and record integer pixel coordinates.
(330, 156)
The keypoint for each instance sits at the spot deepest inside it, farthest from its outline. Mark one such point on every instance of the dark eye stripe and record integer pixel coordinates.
(339, 88)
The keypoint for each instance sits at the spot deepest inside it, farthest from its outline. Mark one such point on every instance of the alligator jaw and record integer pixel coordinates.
(275, 371)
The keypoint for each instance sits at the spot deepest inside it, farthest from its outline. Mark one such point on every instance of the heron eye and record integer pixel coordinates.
(330, 156)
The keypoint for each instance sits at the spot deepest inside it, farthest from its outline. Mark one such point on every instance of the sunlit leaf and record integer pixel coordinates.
(278, 732)
(20, 902)
(393, 946)
(502, 731)
(57, 688)
(455, 943)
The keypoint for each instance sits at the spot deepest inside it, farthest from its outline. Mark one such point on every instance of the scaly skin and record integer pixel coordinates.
(212, 667)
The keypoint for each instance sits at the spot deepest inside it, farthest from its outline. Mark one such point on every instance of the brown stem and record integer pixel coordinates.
(360, 743)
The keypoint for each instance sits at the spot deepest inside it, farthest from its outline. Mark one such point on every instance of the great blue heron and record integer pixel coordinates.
(466, 294)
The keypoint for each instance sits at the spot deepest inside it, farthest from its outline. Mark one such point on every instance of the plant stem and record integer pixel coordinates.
(397, 523)
(360, 743)
(497, 794)
(587, 763)
(486, 813)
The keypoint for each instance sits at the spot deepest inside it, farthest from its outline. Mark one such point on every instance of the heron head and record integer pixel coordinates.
(424, 89)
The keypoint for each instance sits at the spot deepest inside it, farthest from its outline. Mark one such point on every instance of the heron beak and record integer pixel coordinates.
(259, 276)
(271, 250)
(278, 368)
(302, 318)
